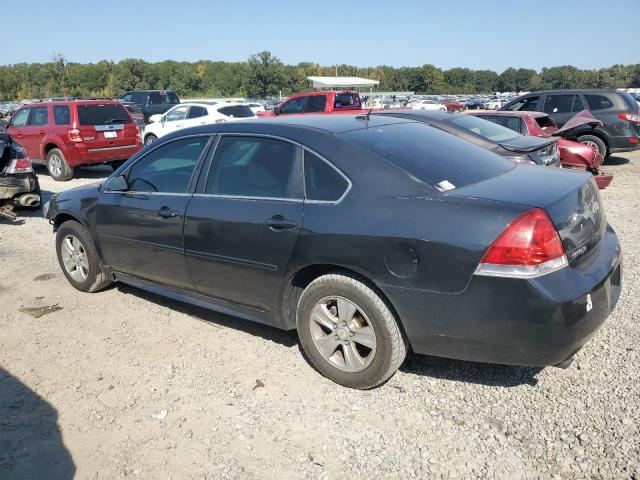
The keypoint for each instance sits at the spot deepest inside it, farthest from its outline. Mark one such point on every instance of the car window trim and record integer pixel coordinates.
(299, 166)
(192, 180)
(340, 172)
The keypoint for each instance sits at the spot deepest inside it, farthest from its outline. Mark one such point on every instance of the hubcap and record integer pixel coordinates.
(592, 144)
(149, 140)
(342, 334)
(55, 165)
(74, 258)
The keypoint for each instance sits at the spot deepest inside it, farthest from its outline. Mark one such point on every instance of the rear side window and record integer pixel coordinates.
(254, 167)
(439, 159)
(195, 112)
(139, 98)
(295, 105)
(237, 111)
(102, 114)
(316, 104)
(598, 102)
(167, 169)
(39, 116)
(61, 115)
(630, 100)
(528, 104)
(347, 100)
(322, 182)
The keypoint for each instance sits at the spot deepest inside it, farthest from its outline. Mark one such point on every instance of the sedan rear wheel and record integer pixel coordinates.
(149, 139)
(349, 332)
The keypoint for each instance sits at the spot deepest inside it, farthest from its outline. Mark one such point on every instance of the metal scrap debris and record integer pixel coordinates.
(37, 312)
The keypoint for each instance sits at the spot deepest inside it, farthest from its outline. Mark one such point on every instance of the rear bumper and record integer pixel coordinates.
(624, 143)
(80, 153)
(537, 322)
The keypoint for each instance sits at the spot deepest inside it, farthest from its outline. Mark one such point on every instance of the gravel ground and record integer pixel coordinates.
(124, 383)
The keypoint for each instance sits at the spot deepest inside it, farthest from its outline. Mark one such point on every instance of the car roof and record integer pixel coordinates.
(511, 113)
(575, 90)
(420, 115)
(70, 102)
(339, 123)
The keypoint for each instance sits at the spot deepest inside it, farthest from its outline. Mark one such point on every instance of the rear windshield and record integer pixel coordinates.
(484, 128)
(347, 100)
(237, 111)
(102, 114)
(159, 98)
(132, 108)
(441, 160)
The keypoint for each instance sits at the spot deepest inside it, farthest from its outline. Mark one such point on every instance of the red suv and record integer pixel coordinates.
(65, 134)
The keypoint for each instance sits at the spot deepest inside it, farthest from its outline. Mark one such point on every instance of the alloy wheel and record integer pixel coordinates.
(74, 258)
(55, 165)
(343, 334)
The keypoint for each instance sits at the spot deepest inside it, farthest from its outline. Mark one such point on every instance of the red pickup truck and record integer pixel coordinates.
(318, 103)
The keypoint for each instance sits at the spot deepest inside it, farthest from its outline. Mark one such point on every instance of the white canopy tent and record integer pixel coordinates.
(342, 82)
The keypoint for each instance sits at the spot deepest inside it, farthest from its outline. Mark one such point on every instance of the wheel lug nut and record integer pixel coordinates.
(344, 324)
(351, 334)
(335, 326)
(336, 337)
(346, 342)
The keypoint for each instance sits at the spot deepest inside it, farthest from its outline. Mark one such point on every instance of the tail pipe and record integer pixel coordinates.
(28, 200)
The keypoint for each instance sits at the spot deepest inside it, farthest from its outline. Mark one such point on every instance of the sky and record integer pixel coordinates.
(474, 34)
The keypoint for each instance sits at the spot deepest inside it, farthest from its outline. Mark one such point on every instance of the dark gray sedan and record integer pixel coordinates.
(369, 236)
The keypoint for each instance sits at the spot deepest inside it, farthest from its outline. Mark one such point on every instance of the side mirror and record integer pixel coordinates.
(117, 184)
(277, 110)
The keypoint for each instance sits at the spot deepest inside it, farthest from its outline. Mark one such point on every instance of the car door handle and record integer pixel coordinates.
(278, 222)
(42, 132)
(166, 212)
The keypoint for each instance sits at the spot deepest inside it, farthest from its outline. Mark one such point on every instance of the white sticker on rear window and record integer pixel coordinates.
(445, 185)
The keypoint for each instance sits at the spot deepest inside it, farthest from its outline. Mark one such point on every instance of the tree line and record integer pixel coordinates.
(264, 75)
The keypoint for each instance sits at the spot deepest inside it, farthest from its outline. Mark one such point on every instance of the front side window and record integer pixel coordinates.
(598, 102)
(558, 104)
(160, 98)
(139, 98)
(126, 98)
(61, 115)
(20, 118)
(529, 104)
(167, 169)
(322, 182)
(178, 113)
(39, 116)
(295, 105)
(253, 167)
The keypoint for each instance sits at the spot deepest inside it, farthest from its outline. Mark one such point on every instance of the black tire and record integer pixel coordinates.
(116, 164)
(149, 139)
(596, 141)
(96, 279)
(58, 167)
(391, 345)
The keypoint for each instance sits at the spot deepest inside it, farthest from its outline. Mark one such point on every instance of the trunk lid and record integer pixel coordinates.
(570, 198)
(526, 143)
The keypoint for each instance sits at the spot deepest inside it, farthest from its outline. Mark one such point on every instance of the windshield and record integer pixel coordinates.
(484, 128)
(441, 160)
(102, 114)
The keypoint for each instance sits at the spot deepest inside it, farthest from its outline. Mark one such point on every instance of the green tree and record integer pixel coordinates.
(264, 75)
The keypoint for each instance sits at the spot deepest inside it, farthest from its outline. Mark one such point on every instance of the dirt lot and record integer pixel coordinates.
(123, 383)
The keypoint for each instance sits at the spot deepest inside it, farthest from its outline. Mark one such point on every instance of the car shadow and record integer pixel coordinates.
(612, 160)
(88, 172)
(489, 374)
(436, 367)
(31, 444)
(216, 319)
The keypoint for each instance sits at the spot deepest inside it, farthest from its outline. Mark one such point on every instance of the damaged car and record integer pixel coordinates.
(573, 154)
(19, 185)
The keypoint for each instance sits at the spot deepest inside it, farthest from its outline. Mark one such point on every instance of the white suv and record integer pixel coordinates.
(192, 114)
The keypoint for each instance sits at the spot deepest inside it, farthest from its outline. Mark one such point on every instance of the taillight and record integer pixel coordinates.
(19, 165)
(74, 135)
(629, 117)
(529, 247)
